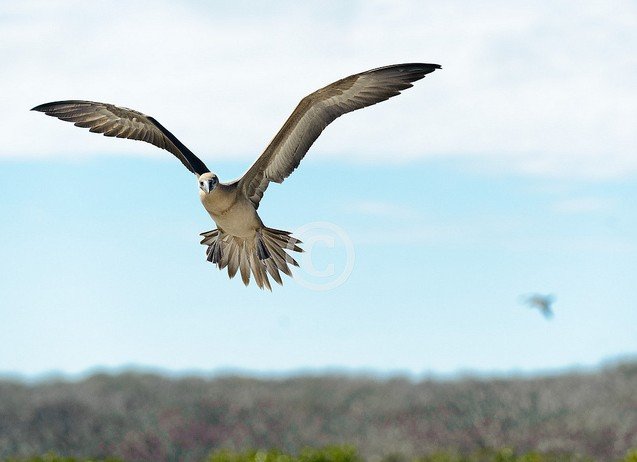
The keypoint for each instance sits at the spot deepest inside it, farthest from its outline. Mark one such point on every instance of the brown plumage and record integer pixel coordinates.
(242, 243)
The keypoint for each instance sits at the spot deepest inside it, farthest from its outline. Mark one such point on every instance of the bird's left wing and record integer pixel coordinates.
(316, 111)
(122, 122)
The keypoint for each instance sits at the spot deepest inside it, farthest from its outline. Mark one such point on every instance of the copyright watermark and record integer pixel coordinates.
(328, 257)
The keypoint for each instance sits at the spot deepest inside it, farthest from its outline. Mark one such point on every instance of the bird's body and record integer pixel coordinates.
(543, 303)
(241, 242)
(231, 211)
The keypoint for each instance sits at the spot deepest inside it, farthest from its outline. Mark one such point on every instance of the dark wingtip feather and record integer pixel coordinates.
(425, 66)
(51, 105)
(420, 69)
(40, 107)
(410, 67)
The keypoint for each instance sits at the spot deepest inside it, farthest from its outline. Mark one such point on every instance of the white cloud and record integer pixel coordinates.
(539, 87)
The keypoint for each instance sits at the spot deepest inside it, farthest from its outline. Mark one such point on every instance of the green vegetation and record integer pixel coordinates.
(327, 454)
(631, 456)
(349, 454)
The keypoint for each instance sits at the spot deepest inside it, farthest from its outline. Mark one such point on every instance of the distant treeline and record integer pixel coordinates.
(144, 417)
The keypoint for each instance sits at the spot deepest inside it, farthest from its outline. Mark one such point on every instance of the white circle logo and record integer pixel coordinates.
(328, 257)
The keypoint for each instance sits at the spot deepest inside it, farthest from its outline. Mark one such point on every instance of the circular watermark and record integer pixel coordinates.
(328, 257)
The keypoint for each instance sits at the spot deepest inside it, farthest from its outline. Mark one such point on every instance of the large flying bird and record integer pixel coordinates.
(241, 241)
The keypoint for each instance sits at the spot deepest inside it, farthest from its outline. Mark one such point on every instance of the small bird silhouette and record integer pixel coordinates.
(541, 302)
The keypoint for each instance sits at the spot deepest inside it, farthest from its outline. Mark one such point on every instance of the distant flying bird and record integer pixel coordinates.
(241, 241)
(543, 303)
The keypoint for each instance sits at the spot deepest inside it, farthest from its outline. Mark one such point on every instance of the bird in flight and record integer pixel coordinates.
(241, 242)
(543, 303)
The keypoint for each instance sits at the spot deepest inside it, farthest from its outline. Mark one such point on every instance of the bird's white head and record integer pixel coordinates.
(208, 182)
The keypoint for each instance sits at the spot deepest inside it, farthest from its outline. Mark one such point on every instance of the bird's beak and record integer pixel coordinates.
(209, 185)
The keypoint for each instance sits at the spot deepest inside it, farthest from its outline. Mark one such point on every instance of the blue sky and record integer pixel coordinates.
(487, 181)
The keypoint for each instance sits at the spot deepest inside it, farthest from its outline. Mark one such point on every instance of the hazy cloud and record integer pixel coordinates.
(541, 87)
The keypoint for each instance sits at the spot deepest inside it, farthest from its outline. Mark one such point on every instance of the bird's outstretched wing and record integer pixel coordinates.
(122, 122)
(544, 303)
(316, 111)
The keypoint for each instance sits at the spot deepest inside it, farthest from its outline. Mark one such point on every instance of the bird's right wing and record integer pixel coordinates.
(316, 111)
(122, 122)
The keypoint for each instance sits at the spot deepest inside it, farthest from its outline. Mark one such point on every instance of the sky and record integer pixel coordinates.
(426, 219)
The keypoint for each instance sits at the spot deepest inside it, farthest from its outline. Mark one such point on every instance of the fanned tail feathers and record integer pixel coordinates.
(262, 256)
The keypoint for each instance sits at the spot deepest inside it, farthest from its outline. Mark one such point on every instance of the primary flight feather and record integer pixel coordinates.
(241, 242)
